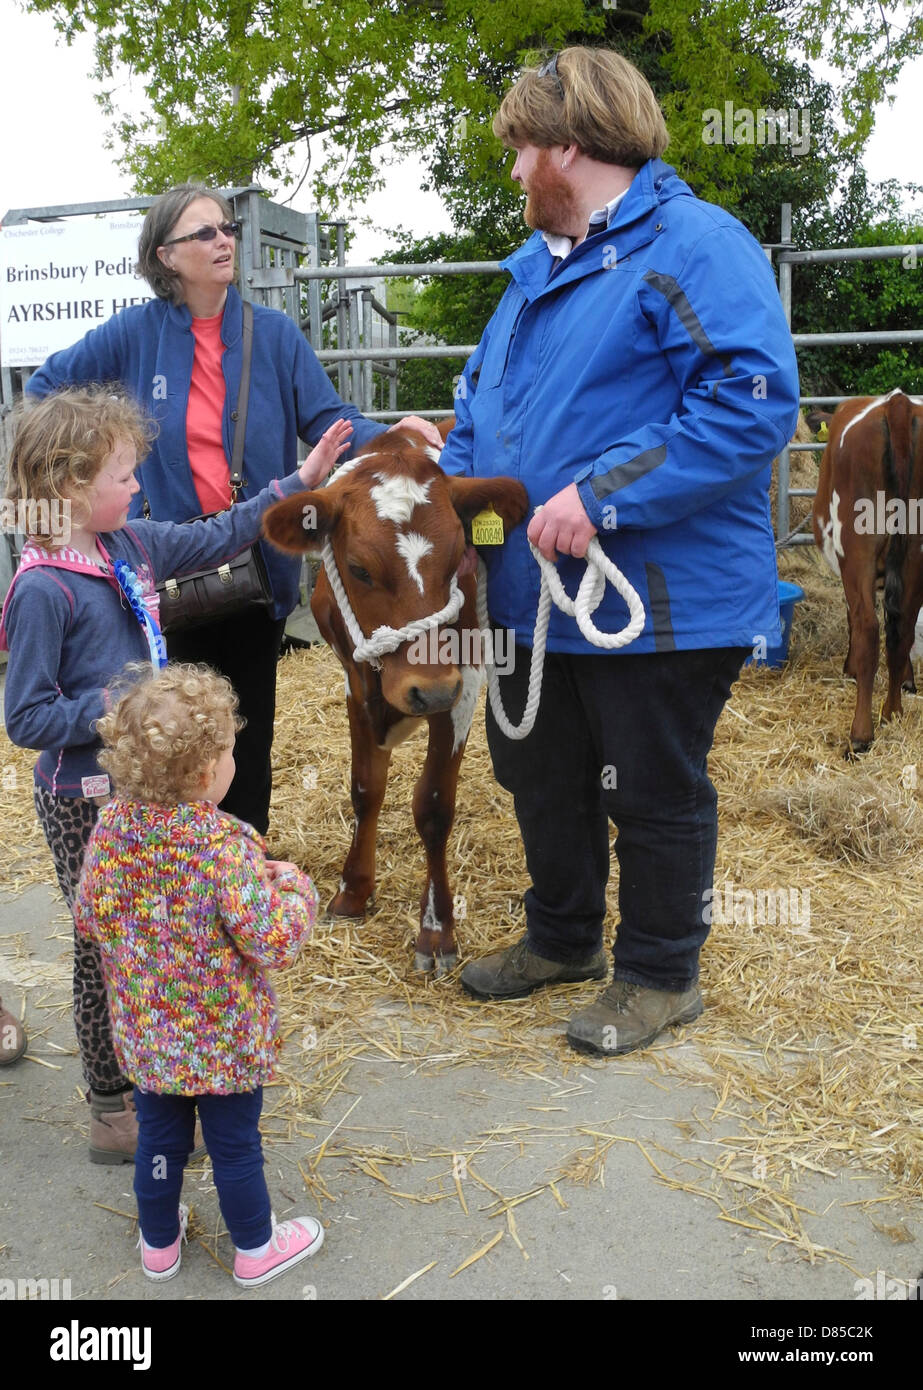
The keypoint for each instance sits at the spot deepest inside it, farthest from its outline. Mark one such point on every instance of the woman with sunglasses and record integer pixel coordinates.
(180, 355)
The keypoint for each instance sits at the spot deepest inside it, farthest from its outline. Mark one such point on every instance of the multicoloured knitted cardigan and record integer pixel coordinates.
(178, 900)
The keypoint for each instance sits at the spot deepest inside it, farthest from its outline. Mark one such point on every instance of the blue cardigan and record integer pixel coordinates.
(149, 349)
(653, 367)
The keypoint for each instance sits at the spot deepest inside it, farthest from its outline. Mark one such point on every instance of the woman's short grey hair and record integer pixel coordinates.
(162, 217)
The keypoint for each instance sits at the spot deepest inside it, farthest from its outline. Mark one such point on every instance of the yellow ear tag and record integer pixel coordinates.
(487, 528)
(823, 432)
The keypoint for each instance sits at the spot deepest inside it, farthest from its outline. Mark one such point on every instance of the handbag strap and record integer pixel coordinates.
(243, 397)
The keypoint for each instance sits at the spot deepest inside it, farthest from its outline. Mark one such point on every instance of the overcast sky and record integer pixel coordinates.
(54, 136)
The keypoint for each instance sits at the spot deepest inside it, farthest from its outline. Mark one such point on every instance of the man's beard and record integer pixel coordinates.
(550, 202)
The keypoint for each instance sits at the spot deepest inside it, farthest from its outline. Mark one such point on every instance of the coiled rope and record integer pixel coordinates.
(589, 596)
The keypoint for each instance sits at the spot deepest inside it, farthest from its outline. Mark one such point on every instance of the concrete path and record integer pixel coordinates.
(621, 1234)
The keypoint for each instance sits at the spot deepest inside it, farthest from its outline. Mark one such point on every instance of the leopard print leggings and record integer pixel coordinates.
(67, 823)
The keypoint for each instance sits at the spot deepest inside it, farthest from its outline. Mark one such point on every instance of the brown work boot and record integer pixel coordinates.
(113, 1128)
(13, 1040)
(517, 971)
(628, 1016)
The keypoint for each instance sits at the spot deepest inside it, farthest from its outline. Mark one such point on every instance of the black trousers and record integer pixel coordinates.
(626, 739)
(246, 650)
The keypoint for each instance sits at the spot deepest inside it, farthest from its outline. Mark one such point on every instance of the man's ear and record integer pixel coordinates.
(508, 498)
(302, 522)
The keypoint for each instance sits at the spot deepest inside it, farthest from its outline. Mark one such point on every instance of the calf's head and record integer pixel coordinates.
(395, 523)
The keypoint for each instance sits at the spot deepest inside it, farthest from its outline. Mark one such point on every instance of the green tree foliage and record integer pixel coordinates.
(234, 89)
(868, 296)
(233, 86)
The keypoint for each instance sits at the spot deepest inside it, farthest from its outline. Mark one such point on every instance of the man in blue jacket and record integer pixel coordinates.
(638, 376)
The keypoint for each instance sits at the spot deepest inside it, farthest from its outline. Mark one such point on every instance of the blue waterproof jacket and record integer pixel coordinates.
(149, 349)
(652, 366)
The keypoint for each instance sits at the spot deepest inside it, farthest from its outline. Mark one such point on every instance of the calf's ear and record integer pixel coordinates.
(508, 498)
(302, 522)
(816, 418)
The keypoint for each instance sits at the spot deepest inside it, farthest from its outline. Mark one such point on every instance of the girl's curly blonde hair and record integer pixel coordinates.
(60, 445)
(163, 735)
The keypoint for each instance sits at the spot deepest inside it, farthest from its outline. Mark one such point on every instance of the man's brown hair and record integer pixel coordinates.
(591, 97)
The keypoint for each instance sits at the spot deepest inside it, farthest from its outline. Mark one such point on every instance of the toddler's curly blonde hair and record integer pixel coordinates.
(165, 732)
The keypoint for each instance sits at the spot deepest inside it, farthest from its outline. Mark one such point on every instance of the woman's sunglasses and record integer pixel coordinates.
(208, 233)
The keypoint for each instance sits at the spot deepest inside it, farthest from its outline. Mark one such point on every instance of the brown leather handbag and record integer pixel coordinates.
(241, 583)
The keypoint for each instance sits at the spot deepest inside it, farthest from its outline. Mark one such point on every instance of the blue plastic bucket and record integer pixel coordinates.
(789, 595)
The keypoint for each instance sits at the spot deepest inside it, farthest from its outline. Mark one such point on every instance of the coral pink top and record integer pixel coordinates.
(207, 459)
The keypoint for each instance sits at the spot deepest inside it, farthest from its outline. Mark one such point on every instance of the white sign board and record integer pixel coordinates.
(60, 279)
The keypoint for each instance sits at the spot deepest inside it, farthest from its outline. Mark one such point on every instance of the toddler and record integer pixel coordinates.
(187, 911)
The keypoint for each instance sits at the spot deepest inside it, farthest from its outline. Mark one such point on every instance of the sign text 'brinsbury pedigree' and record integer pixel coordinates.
(60, 279)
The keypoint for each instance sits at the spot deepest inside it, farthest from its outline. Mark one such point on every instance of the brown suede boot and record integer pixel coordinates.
(13, 1040)
(113, 1128)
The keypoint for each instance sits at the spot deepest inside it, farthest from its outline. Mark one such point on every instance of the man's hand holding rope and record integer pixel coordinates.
(562, 525)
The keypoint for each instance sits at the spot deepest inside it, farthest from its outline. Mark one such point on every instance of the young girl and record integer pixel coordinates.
(82, 604)
(186, 910)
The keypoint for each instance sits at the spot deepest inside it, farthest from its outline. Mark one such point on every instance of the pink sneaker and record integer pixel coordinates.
(290, 1242)
(163, 1264)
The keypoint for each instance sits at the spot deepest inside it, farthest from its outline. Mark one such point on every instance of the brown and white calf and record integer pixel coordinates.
(396, 527)
(867, 521)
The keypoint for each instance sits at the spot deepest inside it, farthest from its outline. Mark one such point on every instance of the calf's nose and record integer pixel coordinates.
(431, 699)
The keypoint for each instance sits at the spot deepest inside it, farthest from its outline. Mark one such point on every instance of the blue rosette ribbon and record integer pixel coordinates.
(130, 586)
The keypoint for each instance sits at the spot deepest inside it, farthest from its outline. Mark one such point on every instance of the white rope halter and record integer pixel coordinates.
(589, 595)
(384, 639)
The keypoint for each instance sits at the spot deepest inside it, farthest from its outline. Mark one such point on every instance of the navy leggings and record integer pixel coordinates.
(230, 1125)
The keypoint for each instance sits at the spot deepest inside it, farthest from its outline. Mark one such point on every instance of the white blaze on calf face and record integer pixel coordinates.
(396, 497)
(833, 537)
(413, 548)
